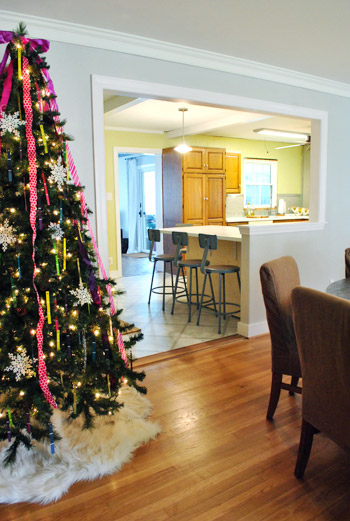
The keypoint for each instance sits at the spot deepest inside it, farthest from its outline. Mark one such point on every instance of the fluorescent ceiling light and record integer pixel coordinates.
(281, 133)
(183, 148)
(287, 146)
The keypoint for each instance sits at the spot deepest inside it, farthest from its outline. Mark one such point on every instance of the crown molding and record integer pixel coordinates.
(76, 34)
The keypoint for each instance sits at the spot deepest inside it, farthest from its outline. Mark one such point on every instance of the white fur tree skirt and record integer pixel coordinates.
(39, 477)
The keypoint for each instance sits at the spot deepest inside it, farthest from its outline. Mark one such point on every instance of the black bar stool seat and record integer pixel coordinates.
(224, 268)
(210, 242)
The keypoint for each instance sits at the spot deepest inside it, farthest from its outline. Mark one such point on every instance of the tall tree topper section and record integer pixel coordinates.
(61, 339)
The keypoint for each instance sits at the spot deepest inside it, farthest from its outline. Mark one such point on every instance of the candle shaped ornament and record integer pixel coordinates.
(46, 190)
(28, 421)
(43, 137)
(64, 254)
(19, 61)
(8, 427)
(39, 212)
(9, 166)
(52, 442)
(48, 308)
(69, 347)
(14, 298)
(85, 350)
(56, 257)
(19, 266)
(25, 193)
(93, 350)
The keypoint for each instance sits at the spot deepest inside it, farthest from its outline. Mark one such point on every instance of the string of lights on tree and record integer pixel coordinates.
(61, 343)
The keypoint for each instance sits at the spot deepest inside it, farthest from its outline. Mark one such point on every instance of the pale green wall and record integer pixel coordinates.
(289, 163)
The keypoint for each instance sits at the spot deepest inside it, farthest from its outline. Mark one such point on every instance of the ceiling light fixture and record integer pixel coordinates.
(282, 133)
(183, 148)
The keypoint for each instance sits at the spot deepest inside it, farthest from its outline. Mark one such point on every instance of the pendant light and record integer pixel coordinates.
(183, 148)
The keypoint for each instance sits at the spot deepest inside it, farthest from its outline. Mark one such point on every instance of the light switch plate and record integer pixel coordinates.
(109, 196)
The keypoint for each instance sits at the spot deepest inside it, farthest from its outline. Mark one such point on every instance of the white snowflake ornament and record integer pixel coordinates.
(58, 173)
(56, 231)
(6, 235)
(82, 294)
(10, 123)
(21, 365)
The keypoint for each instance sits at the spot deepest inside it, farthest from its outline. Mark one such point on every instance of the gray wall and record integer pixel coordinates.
(319, 254)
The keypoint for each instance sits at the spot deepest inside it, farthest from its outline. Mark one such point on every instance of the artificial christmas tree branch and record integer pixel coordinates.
(60, 333)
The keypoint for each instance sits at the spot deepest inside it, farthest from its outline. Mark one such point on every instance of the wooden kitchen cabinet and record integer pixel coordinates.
(204, 199)
(194, 191)
(205, 160)
(194, 187)
(233, 173)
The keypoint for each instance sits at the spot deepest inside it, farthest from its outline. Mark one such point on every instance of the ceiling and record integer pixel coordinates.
(156, 116)
(306, 36)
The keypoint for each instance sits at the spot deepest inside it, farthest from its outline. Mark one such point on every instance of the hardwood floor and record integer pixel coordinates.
(217, 457)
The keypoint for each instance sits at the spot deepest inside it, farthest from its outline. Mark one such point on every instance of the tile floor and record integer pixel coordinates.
(163, 331)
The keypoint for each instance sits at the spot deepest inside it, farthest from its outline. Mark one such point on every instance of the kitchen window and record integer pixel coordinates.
(260, 183)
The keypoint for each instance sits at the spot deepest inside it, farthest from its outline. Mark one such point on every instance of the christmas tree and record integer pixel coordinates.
(60, 335)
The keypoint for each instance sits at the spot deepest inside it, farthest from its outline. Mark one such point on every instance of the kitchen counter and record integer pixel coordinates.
(287, 217)
(228, 252)
(224, 233)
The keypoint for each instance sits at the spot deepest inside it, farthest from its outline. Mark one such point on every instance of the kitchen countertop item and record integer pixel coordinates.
(243, 219)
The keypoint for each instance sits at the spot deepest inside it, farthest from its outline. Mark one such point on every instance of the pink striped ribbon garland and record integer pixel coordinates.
(27, 103)
(120, 344)
(74, 174)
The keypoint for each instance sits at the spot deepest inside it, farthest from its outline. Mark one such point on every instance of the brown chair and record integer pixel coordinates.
(278, 277)
(322, 327)
(347, 263)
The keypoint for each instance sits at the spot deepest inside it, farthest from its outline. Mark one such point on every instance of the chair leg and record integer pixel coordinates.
(219, 330)
(172, 277)
(238, 280)
(164, 273)
(294, 383)
(202, 295)
(274, 394)
(197, 292)
(212, 293)
(190, 297)
(306, 439)
(185, 284)
(175, 290)
(150, 291)
(224, 294)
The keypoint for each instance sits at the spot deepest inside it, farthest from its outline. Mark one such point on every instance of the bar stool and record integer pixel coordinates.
(210, 242)
(154, 236)
(180, 239)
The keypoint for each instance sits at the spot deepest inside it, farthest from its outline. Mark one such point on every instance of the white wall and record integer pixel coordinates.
(123, 197)
(319, 254)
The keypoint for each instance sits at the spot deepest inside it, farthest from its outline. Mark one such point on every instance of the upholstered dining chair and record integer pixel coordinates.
(347, 263)
(278, 277)
(322, 327)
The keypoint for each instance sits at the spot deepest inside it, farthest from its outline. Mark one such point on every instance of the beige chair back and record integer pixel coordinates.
(322, 326)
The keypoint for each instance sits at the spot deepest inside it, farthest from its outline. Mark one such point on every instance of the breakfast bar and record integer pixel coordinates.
(228, 252)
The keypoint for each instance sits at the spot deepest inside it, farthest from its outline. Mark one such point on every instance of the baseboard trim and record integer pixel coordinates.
(250, 330)
(188, 350)
(114, 274)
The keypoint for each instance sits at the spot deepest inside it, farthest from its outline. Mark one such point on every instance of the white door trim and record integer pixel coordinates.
(116, 151)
